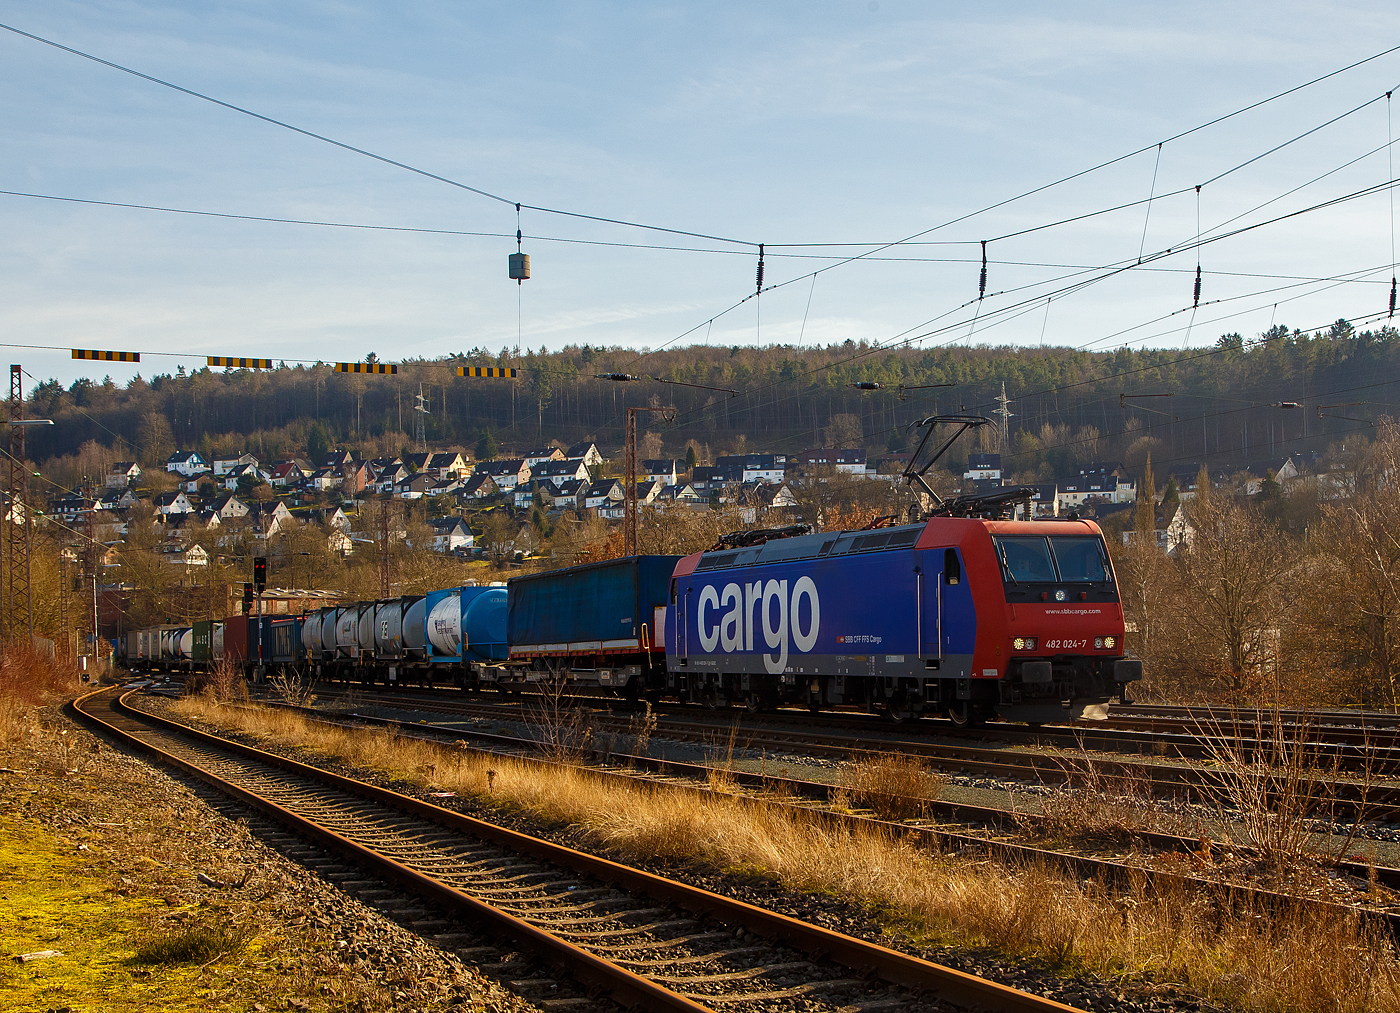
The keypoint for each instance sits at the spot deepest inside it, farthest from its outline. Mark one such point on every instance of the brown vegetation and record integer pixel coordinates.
(1287, 597)
(1158, 937)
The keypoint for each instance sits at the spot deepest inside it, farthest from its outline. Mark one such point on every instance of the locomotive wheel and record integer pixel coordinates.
(753, 703)
(963, 714)
(899, 710)
(715, 699)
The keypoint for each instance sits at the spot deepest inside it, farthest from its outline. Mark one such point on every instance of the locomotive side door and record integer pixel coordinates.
(940, 571)
(929, 580)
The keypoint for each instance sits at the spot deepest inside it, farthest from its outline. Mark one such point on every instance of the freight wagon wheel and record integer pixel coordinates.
(753, 703)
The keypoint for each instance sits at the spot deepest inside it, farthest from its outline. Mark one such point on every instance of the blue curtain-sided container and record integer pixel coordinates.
(466, 623)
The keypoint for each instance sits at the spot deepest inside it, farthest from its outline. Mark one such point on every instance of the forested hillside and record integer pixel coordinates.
(1068, 405)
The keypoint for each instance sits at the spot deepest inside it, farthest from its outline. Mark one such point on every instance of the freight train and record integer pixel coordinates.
(968, 617)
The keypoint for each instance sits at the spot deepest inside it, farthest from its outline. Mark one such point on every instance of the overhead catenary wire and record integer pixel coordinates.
(843, 262)
(365, 152)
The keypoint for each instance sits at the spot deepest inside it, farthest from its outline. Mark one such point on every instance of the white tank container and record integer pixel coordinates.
(444, 626)
(184, 644)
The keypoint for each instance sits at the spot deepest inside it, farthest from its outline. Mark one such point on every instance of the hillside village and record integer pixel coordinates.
(193, 508)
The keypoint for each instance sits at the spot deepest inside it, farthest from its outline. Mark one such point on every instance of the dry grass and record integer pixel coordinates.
(1272, 779)
(1095, 805)
(28, 680)
(895, 787)
(1156, 936)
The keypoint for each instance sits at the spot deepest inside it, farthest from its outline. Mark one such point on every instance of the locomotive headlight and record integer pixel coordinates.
(1110, 642)
(1019, 643)
(1062, 595)
(1098, 643)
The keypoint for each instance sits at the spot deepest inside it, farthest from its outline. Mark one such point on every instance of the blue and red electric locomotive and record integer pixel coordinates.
(963, 616)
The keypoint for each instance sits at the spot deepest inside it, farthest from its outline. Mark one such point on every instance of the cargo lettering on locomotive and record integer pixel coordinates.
(735, 629)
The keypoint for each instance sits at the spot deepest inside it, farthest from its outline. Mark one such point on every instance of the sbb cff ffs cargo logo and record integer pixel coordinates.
(730, 618)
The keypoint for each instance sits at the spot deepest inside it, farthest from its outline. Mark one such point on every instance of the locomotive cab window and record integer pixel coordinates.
(952, 569)
(1041, 566)
(1025, 560)
(1080, 559)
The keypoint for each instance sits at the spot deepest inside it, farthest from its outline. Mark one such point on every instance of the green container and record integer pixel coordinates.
(203, 637)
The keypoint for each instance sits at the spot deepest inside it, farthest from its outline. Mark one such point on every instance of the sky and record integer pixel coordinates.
(777, 123)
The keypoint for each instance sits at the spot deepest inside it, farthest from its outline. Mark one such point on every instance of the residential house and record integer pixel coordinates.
(68, 507)
(752, 467)
(448, 464)
(663, 471)
(561, 494)
(681, 495)
(506, 474)
(172, 503)
(888, 466)
(1284, 470)
(389, 477)
(588, 451)
(332, 517)
(186, 462)
(1102, 483)
(337, 459)
(208, 518)
(270, 517)
(414, 486)
(535, 457)
(648, 491)
(247, 471)
(1171, 534)
(451, 534)
(229, 507)
(479, 486)
(983, 468)
(123, 474)
(377, 465)
(603, 494)
(288, 474)
(1046, 501)
(560, 470)
(770, 500)
(705, 478)
(322, 479)
(340, 541)
(223, 465)
(847, 462)
(195, 555)
(354, 477)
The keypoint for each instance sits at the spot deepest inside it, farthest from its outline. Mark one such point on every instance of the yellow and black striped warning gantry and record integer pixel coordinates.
(501, 371)
(101, 356)
(366, 367)
(232, 363)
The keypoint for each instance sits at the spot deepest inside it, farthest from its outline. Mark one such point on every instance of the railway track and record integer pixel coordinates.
(1351, 742)
(639, 938)
(773, 732)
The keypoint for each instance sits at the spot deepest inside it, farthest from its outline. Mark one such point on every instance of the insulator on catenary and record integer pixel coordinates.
(1392, 298)
(758, 275)
(1196, 301)
(982, 285)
